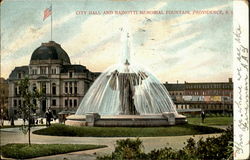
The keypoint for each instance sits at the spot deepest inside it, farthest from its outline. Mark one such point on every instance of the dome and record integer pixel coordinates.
(50, 51)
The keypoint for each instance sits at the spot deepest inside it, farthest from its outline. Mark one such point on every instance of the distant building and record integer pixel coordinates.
(211, 96)
(51, 71)
(4, 93)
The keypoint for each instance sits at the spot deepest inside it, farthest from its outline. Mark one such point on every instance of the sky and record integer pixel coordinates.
(191, 47)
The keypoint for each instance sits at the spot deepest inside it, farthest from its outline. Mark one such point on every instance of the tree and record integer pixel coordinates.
(28, 108)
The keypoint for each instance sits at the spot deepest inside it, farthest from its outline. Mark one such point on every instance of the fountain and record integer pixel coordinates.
(126, 94)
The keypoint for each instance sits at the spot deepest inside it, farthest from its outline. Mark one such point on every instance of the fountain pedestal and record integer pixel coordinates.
(154, 120)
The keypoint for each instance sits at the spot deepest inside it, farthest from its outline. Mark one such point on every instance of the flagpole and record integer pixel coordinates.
(51, 20)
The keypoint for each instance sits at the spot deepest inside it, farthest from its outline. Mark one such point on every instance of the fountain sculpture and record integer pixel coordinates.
(126, 94)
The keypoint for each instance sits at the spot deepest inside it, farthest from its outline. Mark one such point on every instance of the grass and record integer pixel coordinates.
(23, 151)
(178, 130)
(212, 121)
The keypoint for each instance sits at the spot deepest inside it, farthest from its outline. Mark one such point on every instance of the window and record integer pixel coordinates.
(71, 88)
(53, 102)
(70, 102)
(19, 103)
(19, 75)
(70, 74)
(15, 102)
(75, 87)
(43, 70)
(65, 102)
(54, 89)
(75, 102)
(16, 92)
(75, 90)
(53, 71)
(66, 87)
(44, 87)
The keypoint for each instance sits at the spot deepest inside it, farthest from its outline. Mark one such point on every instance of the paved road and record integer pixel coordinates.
(14, 135)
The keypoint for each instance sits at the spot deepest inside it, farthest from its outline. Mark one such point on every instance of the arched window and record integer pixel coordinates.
(54, 89)
(66, 87)
(70, 88)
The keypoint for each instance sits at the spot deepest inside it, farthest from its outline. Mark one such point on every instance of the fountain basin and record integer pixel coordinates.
(150, 120)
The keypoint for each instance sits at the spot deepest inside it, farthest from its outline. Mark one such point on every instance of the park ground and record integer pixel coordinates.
(14, 135)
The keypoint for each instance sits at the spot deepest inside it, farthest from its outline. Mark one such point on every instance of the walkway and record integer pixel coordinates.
(14, 135)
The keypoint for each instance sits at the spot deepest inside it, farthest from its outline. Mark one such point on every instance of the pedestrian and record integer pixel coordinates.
(48, 116)
(203, 116)
(41, 121)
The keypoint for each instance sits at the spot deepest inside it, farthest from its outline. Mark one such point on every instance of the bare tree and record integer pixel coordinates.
(29, 106)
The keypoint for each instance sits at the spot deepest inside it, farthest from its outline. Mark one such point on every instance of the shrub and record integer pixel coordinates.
(126, 149)
(212, 148)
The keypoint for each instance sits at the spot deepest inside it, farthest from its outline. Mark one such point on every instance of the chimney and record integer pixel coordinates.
(230, 80)
(177, 81)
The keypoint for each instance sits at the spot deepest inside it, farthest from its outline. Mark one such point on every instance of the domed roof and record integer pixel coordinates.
(50, 51)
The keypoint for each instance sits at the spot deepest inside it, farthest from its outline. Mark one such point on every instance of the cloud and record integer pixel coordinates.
(168, 45)
(7, 67)
(99, 29)
(30, 35)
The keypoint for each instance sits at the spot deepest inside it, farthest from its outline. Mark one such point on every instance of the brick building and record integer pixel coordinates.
(211, 96)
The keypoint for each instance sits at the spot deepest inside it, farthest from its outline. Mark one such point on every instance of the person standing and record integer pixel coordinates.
(48, 116)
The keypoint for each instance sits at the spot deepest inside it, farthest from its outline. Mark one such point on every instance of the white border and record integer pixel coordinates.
(241, 79)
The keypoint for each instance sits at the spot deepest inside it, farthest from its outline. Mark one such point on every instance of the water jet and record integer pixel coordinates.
(126, 94)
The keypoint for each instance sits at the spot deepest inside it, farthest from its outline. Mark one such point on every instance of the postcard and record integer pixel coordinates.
(190, 57)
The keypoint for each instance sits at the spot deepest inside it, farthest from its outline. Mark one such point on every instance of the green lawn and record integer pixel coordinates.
(212, 121)
(178, 130)
(23, 151)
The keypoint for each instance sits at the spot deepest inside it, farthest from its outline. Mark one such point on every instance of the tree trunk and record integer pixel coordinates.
(29, 135)
(29, 127)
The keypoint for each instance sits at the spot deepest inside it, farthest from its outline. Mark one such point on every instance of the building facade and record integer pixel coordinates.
(51, 71)
(211, 97)
(4, 93)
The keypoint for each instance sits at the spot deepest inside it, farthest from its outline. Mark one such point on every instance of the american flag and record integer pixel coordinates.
(47, 12)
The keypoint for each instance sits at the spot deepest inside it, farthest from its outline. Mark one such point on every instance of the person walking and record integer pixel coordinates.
(203, 116)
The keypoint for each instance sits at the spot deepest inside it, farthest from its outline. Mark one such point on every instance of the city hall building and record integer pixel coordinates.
(51, 71)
